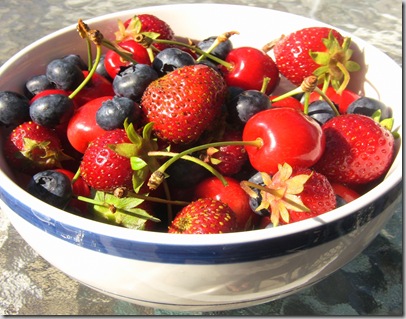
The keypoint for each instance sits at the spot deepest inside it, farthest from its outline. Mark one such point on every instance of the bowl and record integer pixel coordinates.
(202, 272)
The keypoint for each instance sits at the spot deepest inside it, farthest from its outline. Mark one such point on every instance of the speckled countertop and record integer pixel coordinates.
(372, 284)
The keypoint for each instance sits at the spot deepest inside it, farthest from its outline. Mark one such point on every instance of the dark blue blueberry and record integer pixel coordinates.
(221, 50)
(321, 111)
(75, 60)
(171, 59)
(37, 84)
(14, 108)
(65, 75)
(101, 68)
(367, 106)
(255, 202)
(132, 81)
(52, 187)
(247, 104)
(51, 110)
(112, 113)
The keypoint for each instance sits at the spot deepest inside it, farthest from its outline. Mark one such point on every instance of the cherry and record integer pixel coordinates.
(286, 135)
(247, 67)
(342, 100)
(232, 194)
(114, 62)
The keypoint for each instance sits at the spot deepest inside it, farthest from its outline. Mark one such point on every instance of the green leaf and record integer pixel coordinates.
(139, 178)
(137, 163)
(125, 149)
(352, 66)
(322, 58)
(152, 35)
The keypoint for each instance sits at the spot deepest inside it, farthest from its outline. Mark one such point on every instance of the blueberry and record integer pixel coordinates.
(221, 50)
(65, 75)
(171, 59)
(184, 174)
(255, 202)
(101, 68)
(367, 106)
(247, 104)
(132, 81)
(113, 112)
(321, 111)
(51, 110)
(52, 187)
(75, 60)
(14, 108)
(37, 84)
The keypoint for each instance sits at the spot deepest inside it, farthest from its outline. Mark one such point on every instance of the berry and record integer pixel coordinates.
(289, 101)
(314, 51)
(368, 106)
(285, 135)
(255, 202)
(341, 100)
(64, 74)
(132, 81)
(104, 169)
(246, 104)
(52, 187)
(51, 110)
(113, 112)
(171, 59)
(31, 148)
(321, 111)
(232, 195)
(204, 216)
(221, 50)
(183, 103)
(358, 149)
(14, 108)
(248, 67)
(37, 84)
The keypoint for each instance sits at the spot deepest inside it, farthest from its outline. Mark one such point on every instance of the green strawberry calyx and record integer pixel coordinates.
(335, 64)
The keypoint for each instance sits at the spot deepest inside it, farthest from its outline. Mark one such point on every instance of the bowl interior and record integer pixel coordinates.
(199, 21)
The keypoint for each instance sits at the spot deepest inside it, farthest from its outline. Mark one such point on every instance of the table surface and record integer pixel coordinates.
(372, 284)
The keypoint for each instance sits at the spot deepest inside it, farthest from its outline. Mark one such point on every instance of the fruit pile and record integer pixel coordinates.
(159, 134)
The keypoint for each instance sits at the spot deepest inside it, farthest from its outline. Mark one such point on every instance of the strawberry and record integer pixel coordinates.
(227, 159)
(183, 103)
(358, 149)
(292, 194)
(31, 148)
(318, 51)
(102, 167)
(204, 216)
(148, 24)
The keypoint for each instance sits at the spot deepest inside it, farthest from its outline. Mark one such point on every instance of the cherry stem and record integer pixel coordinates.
(265, 83)
(227, 65)
(194, 160)
(107, 205)
(221, 38)
(89, 75)
(158, 176)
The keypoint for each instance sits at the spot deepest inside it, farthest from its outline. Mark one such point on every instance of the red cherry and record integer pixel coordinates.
(288, 136)
(287, 102)
(82, 127)
(344, 192)
(97, 87)
(113, 62)
(249, 67)
(48, 92)
(233, 195)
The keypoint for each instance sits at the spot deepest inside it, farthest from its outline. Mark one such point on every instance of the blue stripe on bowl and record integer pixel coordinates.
(207, 254)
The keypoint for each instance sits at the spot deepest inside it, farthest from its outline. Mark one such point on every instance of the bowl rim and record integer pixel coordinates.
(8, 185)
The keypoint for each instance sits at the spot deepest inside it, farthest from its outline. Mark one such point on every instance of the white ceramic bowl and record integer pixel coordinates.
(202, 272)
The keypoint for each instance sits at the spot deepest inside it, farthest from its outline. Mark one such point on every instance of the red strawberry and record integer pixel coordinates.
(358, 149)
(293, 194)
(228, 159)
(314, 51)
(145, 23)
(204, 216)
(31, 148)
(183, 103)
(102, 167)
